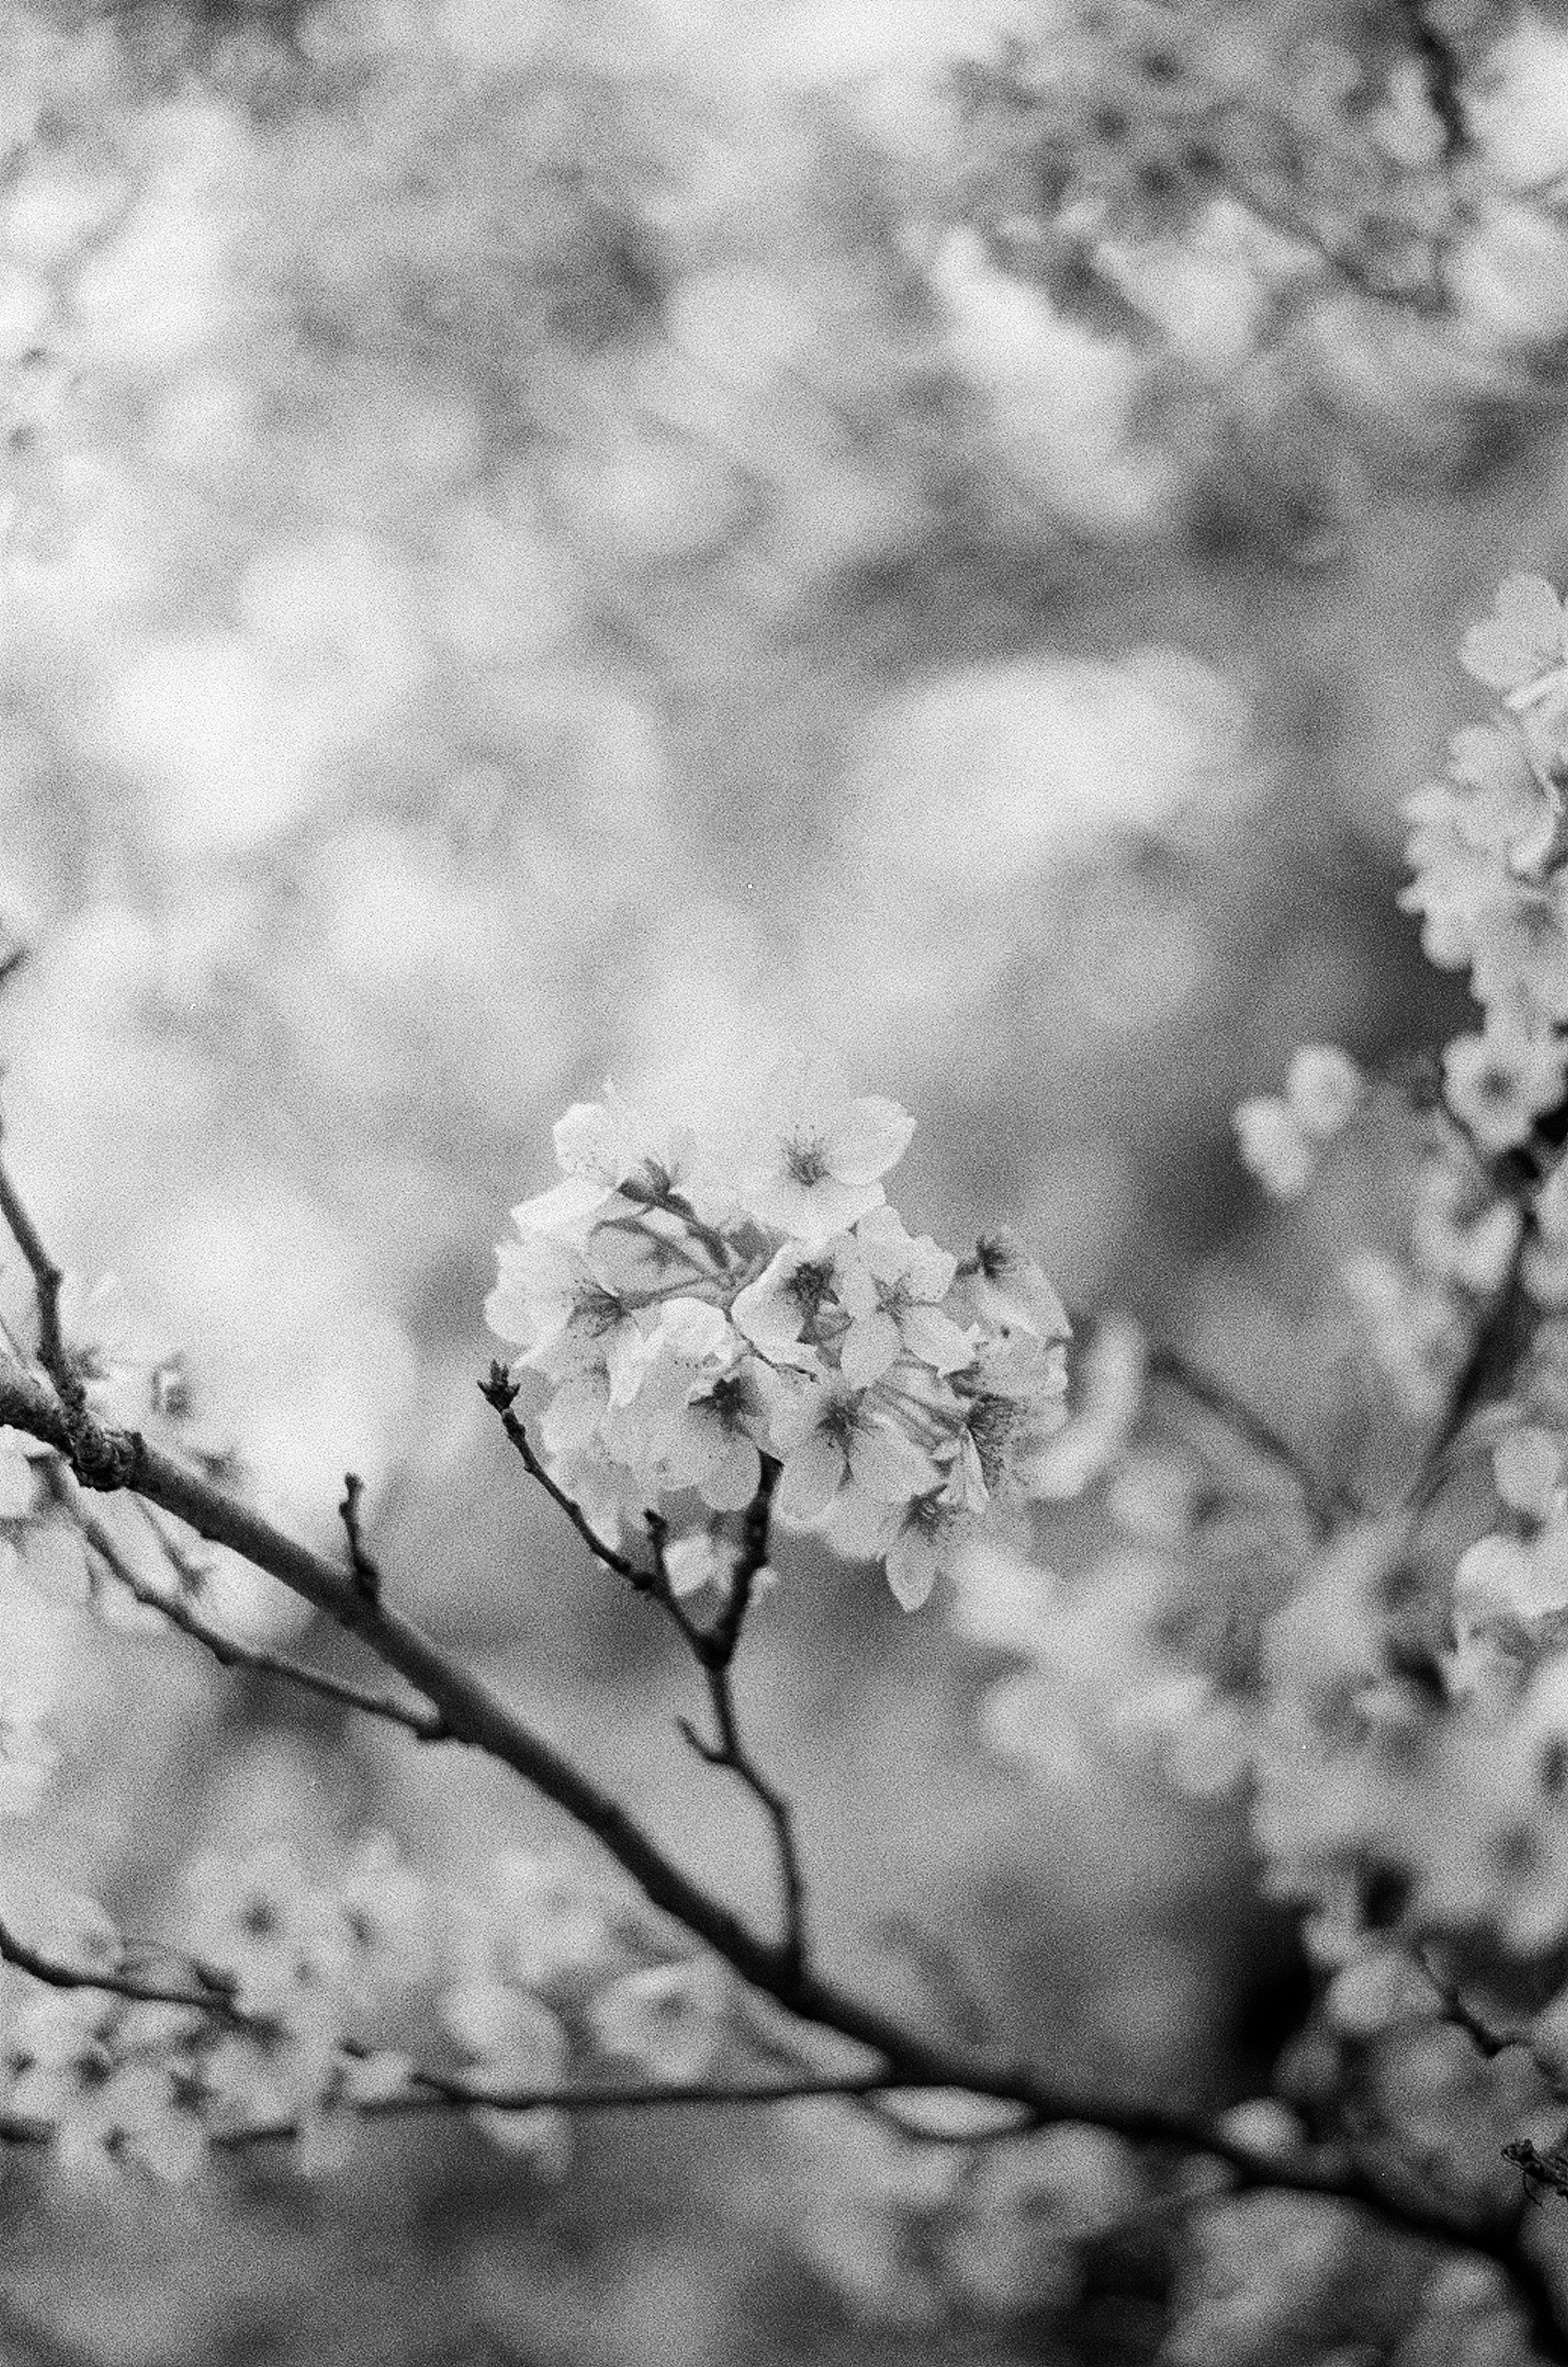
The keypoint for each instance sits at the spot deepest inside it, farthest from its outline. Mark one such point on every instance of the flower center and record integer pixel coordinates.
(805, 1163)
(728, 1401)
(841, 1422)
(993, 1424)
(808, 1286)
(927, 1516)
(596, 1309)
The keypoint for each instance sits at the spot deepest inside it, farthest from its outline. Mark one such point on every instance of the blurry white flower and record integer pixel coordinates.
(1323, 1087)
(1528, 1468)
(1499, 1082)
(1521, 640)
(1274, 1146)
(668, 2019)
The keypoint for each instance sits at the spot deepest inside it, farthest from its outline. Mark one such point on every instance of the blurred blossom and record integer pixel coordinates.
(985, 777)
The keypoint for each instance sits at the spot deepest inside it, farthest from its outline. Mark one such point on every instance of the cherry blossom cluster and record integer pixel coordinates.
(1393, 1698)
(1281, 1135)
(305, 1997)
(1136, 117)
(1487, 847)
(1271, 2276)
(708, 1312)
(1413, 1314)
(907, 2232)
(1409, 1312)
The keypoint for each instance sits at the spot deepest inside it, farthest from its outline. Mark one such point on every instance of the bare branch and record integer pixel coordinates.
(113, 1981)
(48, 1281)
(731, 1754)
(501, 1391)
(424, 1725)
(1325, 1505)
(725, 1639)
(714, 1649)
(1440, 73)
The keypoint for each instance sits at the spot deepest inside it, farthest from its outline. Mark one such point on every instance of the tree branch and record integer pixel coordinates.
(475, 1716)
(1491, 1352)
(1440, 73)
(714, 1650)
(131, 1987)
(106, 1458)
(500, 1390)
(367, 1575)
(1325, 1505)
(48, 1281)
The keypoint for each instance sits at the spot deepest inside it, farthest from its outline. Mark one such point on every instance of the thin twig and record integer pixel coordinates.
(659, 1584)
(1491, 1349)
(725, 1636)
(48, 1281)
(716, 1650)
(1440, 73)
(424, 1725)
(113, 1982)
(500, 1390)
(367, 1575)
(1327, 1505)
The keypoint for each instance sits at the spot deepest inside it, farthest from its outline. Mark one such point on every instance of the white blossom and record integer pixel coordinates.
(814, 1158)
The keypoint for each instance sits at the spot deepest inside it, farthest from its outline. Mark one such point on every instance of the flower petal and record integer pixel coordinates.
(867, 1138)
(867, 1348)
(811, 1479)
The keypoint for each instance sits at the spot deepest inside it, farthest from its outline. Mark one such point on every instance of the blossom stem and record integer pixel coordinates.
(501, 1391)
(1491, 1352)
(48, 1281)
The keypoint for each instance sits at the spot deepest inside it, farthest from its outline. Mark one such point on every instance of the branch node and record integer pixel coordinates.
(710, 1754)
(367, 1576)
(104, 1460)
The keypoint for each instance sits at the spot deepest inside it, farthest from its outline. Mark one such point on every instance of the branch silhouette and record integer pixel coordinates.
(107, 1459)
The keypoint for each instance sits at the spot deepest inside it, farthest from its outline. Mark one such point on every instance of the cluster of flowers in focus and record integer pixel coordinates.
(709, 1313)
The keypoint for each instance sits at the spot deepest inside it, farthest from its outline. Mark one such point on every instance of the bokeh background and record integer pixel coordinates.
(546, 543)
